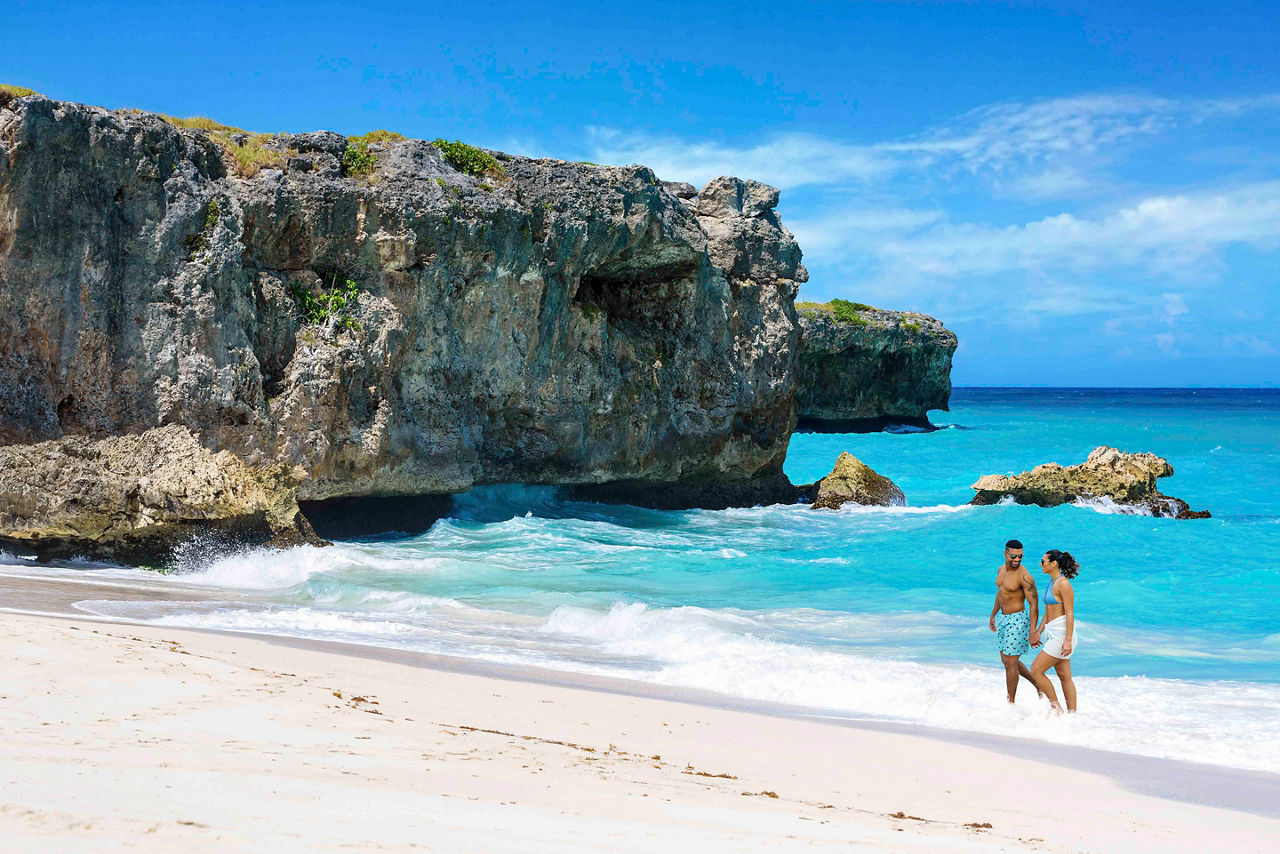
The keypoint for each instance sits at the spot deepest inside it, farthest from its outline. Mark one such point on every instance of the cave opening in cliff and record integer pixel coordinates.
(649, 291)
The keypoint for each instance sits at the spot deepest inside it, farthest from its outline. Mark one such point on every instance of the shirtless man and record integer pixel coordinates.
(1015, 588)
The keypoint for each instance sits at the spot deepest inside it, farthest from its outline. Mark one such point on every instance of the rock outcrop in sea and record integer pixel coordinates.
(393, 317)
(141, 498)
(864, 369)
(1124, 481)
(852, 481)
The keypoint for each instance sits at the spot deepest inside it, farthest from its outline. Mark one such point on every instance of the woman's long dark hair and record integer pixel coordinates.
(1066, 563)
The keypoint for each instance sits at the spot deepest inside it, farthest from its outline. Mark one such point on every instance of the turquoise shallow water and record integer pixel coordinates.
(865, 612)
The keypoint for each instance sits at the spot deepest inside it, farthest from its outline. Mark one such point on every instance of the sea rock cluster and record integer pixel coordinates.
(871, 369)
(1128, 480)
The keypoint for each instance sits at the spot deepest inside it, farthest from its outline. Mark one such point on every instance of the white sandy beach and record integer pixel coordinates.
(122, 736)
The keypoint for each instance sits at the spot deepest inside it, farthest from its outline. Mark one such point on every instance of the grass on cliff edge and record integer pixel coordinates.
(9, 92)
(843, 310)
(246, 160)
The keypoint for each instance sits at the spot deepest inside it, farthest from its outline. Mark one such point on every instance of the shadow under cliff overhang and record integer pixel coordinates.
(354, 517)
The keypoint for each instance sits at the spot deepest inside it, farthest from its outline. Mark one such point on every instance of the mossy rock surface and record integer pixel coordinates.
(854, 482)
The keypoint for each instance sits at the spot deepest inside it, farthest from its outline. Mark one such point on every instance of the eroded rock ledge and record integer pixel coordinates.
(554, 323)
(872, 369)
(139, 499)
(1126, 480)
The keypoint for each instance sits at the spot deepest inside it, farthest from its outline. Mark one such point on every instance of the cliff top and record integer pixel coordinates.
(842, 316)
(249, 152)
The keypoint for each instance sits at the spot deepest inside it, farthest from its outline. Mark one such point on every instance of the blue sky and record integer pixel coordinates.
(1087, 195)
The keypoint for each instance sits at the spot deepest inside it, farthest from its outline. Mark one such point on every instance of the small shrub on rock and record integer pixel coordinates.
(358, 161)
(849, 312)
(469, 159)
(328, 309)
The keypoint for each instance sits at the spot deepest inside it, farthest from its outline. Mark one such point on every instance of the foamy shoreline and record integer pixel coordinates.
(123, 734)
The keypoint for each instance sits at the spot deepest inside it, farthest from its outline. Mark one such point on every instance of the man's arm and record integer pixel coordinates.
(994, 609)
(1033, 601)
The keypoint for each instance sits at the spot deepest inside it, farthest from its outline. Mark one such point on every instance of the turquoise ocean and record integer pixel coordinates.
(864, 613)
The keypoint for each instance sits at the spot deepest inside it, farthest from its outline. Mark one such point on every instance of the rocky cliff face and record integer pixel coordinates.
(563, 324)
(873, 370)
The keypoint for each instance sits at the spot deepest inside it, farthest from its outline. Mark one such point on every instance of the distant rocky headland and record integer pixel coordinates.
(376, 317)
(863, 368)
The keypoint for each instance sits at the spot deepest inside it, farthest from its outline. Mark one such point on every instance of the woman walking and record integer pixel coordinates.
(1057, 629)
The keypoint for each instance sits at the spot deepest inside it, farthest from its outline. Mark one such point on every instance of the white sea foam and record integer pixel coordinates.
(1218, 722)
(1107, 505)
(799, 657)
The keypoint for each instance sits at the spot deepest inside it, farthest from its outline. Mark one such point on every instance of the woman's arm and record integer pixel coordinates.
(1068, 596)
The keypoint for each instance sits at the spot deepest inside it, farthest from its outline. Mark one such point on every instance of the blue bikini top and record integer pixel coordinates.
(1048, 597)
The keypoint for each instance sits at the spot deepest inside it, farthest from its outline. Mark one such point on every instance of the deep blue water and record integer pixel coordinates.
(868, 612)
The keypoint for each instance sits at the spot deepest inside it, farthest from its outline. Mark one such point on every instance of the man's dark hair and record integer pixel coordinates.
(1013, 544)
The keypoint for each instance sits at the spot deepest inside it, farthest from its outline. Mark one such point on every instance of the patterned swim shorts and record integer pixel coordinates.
(1012, 632)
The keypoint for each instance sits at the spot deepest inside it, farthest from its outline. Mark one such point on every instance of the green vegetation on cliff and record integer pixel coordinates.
(248, 152)
(358, 161)
(469, 159)
(843, 310)
(16, 91)
(374, 137)
(9, 92)
(332, 307)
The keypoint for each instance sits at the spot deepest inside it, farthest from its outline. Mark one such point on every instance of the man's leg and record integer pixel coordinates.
(1012, 667)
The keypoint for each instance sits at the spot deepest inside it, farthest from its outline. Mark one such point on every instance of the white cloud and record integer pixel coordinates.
(1174, 307)
(1163, 232)
(857, 227)
(787, 161)
(1249, 343)
(1165, 341)
(1051, 141)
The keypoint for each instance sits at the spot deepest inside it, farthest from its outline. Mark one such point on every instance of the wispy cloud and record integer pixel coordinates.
(1047, 141)
(787, 161)
(1161, 232)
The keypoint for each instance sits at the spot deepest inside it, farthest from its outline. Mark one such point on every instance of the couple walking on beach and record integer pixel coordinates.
(1017, 610)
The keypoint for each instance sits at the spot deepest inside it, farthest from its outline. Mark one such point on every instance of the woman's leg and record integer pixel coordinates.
(1063, 667)
(1038, 667)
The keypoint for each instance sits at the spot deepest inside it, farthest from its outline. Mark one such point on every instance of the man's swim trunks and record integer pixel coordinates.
(1012, 632)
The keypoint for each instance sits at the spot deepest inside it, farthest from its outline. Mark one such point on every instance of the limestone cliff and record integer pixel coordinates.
(543, 322)
(862, 368)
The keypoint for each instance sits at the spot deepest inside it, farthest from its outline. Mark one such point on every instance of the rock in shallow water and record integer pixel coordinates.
(854, 482)
(1127, 479)
(138, 499)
